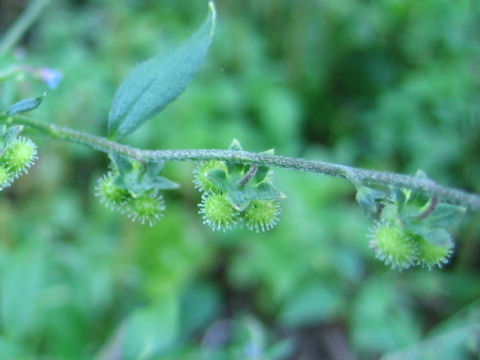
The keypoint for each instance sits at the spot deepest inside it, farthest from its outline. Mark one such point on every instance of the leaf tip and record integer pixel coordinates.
(213, 12)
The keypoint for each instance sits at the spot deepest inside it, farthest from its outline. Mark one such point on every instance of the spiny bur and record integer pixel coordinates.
(261, 215)
(146, 208)
(200, 175)
(217, 212)
(431, 255)
(111, 195)
(6, 178)
(20, 156)
(396, 247)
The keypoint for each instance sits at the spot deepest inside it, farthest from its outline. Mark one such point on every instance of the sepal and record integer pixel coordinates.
(24, 106)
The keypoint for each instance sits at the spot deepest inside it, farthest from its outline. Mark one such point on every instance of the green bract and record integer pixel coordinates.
(133, 187)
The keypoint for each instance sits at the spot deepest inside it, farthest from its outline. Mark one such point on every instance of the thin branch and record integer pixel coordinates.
(251, 173)
(356, 175)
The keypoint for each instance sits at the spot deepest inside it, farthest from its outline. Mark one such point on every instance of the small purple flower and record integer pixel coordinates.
(51, 77)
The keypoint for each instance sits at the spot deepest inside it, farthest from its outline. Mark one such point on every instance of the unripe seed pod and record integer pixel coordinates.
(217, 212)
(200, 175)
(111, 195)
(393, 245)
(430, 255)
(146, 208)
(6, 178)
(20, 155)
(262, 215)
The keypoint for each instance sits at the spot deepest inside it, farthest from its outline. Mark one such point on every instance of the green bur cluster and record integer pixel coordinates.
(17, 155)
(237, 193)
(411, 227)
(134, 188)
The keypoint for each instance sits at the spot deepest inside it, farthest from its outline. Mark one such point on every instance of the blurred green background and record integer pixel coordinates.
(387, 85)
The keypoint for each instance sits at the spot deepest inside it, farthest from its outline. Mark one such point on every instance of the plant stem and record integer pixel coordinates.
(22, 24)
(251, 173)
(355, 175)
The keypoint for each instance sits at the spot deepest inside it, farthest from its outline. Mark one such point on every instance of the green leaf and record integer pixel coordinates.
(200, 304)
(312, 303)
(155, 83)
(24, 106)
(266, 191)
(120, 163)
(235, 145)
(152, 330)
(445, 215)
(148, 332)
(455, 338)
(22, 279)
(437, 237)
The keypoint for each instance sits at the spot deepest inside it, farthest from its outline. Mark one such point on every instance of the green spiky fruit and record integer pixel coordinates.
(217, 212)
(111, 195)
(262, 215)
(200, 175)
(430, 255)
(6, 178)
(20, 155)
(146, 208)
(393, 245)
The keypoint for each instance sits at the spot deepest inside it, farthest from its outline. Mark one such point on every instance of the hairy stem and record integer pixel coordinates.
(355, 175)
(22, 24)
(251, 173)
